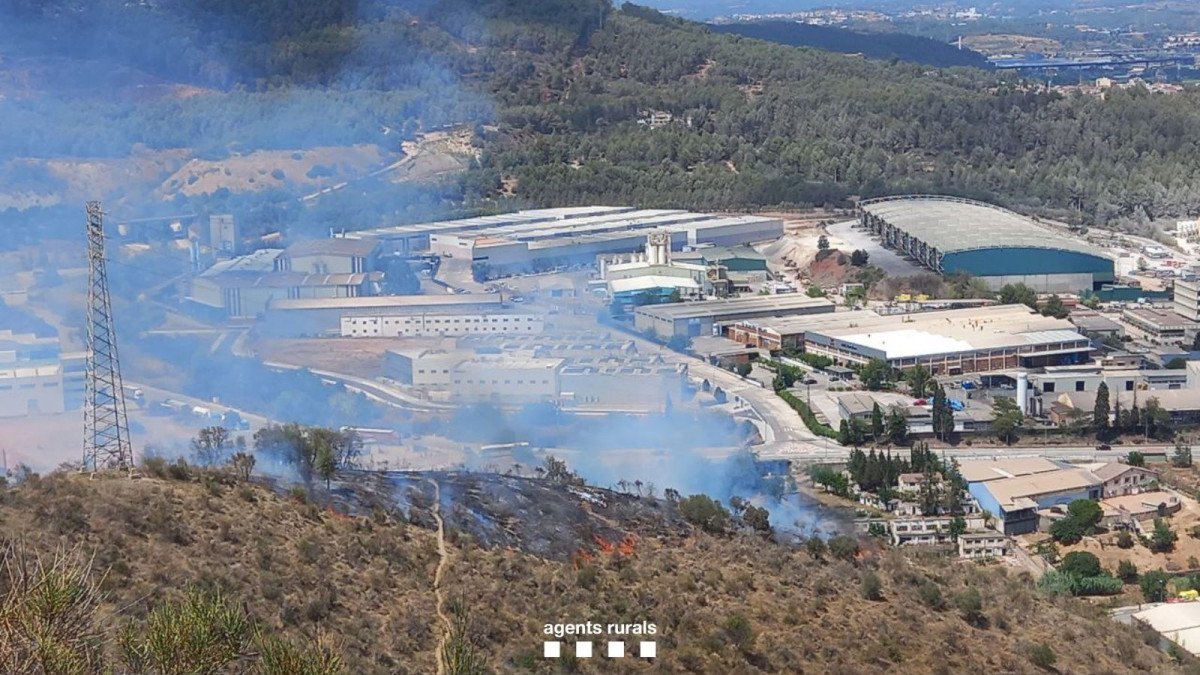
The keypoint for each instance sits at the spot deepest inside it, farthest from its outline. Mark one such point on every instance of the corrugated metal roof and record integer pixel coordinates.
(952, 225)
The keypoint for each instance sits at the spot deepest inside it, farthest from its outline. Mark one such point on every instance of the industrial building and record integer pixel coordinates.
(653, 277)
(1014, 490)
(441, 324)
(692, 319)
(1056, 380)
(1187, 299)
(1178, 622)
(505, 379)
(36, 377)
(950, 235)
(573, 346)
(952, 342)
(243, 287)
(332, 256)
(623, 383)
(732, 258)
(323, 316)
(1183, 405)
(542, 239)
(224, 237)
(1160, 325)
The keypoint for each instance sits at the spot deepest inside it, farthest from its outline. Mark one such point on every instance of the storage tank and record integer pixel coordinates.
(1023, 392)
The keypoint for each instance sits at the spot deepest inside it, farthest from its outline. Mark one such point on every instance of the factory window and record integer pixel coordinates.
(508, 382)
(458, 382)
(1048, 387)
(1128, 385)
(495, 382)
(1078, 385)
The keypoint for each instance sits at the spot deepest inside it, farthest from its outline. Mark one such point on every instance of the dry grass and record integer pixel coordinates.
(297, 568)
(722, 604)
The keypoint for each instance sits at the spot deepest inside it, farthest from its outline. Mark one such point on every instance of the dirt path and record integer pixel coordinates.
(443, 562)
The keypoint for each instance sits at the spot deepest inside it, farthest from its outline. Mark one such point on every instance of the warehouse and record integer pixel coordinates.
(323, 316)
(1015, 489)
(448, 323)
(409, 239)
(951, 342)
(692, 319)
(619, 382)
(332, 256)
(950, 235)
(534, 240)
(1162, 326)
(732, 258)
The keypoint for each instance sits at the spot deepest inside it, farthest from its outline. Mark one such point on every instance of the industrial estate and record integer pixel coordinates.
(960, 376)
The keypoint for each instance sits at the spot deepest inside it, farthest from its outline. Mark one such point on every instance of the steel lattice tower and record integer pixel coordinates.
(106, 440)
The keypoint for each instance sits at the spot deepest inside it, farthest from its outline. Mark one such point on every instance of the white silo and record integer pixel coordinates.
(1023, 392)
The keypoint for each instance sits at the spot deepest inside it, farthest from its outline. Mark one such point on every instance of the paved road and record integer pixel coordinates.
(816, 452)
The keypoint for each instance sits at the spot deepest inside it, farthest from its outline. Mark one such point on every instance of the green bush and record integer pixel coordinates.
(872, 588)
(806, 414)
(704, 512)
(1042, 656)
(1127, 571)
(843, 547)
(1080, 564)
(931, 595)
(1098, 585)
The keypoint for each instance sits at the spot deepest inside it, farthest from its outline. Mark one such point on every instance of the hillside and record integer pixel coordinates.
(360, 571)
(871, 45)
(554, 94)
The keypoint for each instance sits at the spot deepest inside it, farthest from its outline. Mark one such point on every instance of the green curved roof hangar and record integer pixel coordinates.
(950, 235)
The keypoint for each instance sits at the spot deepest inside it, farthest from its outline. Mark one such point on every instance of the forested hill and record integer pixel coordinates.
(888, 46)
(558, 93)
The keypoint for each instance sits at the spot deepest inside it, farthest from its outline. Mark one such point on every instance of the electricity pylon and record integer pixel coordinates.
(106, 442)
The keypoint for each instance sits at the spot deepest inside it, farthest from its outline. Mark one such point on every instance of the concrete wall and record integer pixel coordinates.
(1043, 283)
(504, 384)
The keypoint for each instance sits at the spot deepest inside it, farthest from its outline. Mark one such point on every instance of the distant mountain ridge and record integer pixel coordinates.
(886, 46)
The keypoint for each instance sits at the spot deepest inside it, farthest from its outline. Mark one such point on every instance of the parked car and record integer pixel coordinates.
(1103, 446)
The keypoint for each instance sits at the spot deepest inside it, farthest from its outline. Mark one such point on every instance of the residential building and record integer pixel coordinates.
(986, 544)
(1187, 299)
(1118, 479)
